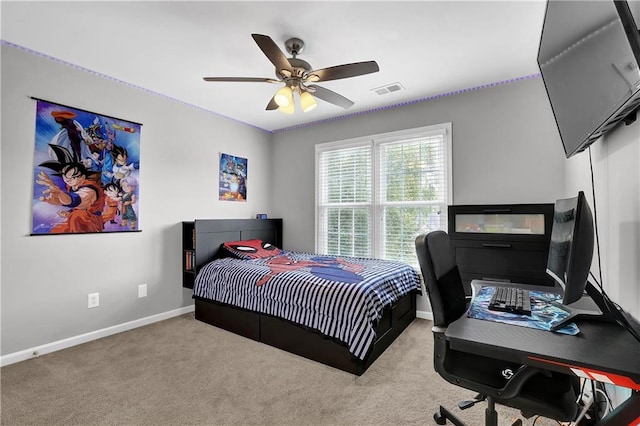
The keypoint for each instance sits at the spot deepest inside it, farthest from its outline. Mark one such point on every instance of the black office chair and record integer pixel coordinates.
(531, 390)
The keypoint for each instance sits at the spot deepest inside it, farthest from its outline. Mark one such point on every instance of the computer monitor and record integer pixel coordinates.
(571, 247)
(570, 256)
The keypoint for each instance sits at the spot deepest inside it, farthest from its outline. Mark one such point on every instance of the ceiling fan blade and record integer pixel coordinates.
(243, 79)
(273, 52)
(272, 104)
(331, 96)
(343, 71)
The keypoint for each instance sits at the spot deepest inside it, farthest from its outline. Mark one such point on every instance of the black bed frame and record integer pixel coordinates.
(283, 334)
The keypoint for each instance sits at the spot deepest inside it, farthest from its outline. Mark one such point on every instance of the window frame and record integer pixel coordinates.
(377, 207)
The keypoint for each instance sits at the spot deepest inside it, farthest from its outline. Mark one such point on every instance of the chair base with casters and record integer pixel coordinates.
(491, 415)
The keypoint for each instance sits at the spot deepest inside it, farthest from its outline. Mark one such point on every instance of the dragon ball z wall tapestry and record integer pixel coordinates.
(86, 174)
(232, 178)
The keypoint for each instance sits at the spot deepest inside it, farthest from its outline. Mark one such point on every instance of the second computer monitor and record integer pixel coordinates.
(571, 248)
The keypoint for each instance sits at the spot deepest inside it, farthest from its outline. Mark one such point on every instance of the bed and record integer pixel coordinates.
(311, 321)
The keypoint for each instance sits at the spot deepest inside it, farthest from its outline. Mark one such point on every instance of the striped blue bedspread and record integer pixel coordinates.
(342, 297)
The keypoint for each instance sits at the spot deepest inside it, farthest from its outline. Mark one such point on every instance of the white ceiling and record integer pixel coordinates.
(430, 47)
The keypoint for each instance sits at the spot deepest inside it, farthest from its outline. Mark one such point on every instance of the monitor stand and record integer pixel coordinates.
(590, 307)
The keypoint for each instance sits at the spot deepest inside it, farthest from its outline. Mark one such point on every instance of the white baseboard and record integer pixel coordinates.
(87, 337)
(98, 334)
(424, 315)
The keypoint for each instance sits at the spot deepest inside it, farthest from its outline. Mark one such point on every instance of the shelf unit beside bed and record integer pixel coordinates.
(208, 234)
(188, 254)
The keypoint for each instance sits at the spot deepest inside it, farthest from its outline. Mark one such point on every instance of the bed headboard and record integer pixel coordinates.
(211, 233)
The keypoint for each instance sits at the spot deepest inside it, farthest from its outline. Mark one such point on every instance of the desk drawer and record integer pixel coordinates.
(509, 261)
(500, 260)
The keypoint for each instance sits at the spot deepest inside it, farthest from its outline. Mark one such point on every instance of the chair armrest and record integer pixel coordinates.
(510, 389)
(513, 387)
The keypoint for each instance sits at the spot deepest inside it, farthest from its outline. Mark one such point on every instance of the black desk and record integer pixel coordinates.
(603, 351)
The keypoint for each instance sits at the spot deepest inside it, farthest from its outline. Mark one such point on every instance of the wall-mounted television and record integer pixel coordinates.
(588, 56)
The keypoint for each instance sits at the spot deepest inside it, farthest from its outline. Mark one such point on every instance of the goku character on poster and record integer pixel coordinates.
(86, 172)
(232, 178)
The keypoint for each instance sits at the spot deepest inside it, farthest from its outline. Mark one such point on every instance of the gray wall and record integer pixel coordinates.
(616, 168)
(506, 149)
(46, 279)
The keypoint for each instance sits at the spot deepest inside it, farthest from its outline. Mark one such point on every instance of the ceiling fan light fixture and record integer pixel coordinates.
(307, 102)
(314, 78)
(284, 97)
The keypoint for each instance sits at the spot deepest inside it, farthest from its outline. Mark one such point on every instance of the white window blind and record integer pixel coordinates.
(375, 196)
(345, 207)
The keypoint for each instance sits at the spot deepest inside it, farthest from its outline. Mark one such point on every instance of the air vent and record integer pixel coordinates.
(389, 88)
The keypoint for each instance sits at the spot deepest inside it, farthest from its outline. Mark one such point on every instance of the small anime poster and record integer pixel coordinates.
(86, 173)
(232, 178)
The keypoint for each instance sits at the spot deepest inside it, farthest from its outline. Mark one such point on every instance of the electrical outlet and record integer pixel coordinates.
(142, 291)
(94, 300)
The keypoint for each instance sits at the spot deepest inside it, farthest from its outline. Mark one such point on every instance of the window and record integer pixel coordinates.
(375, 195)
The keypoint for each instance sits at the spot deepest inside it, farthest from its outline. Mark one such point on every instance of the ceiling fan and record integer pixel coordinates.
(298, 76)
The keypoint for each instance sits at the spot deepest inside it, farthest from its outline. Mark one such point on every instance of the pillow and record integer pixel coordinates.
(251, 249)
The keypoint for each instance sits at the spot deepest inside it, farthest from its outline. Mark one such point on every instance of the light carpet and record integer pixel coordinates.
(184, 372)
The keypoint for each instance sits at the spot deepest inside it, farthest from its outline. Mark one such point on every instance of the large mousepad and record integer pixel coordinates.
(543, 314)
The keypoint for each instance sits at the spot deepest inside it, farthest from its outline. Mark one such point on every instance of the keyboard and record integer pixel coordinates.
(511, 299)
